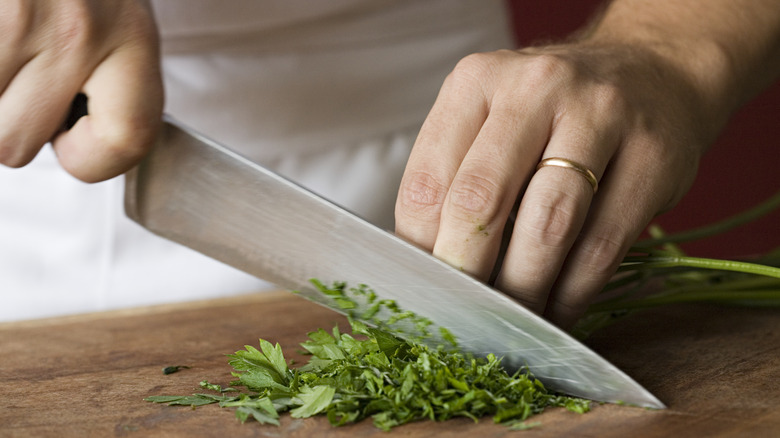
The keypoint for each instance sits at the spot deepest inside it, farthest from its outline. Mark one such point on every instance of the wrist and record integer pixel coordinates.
(727, 50)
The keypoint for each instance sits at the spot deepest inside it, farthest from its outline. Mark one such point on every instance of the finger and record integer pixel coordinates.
(553, 210)
(488, 182)
(33, 105)
(625, 205)
(125, 108)
(445, 137)
(15, 47)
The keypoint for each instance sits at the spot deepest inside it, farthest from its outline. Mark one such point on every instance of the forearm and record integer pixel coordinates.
(729, 49)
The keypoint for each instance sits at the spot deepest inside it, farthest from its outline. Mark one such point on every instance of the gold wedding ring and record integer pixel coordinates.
(568, 164)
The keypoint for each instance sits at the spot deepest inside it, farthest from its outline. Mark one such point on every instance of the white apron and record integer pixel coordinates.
(330, 94)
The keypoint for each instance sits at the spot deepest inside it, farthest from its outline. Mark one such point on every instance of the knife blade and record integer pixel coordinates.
(198, 193)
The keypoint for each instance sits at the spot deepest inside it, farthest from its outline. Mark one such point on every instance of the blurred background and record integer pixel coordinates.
(741, 169)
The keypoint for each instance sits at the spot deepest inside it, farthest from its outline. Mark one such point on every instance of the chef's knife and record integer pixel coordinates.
(200, 194)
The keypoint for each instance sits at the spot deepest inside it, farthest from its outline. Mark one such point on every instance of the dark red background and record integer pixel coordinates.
(741, 169)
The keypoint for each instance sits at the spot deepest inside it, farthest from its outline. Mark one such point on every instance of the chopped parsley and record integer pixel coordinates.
(380, 376)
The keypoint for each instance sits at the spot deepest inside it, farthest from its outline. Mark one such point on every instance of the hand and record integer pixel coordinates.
(52, 50)
(636, 122)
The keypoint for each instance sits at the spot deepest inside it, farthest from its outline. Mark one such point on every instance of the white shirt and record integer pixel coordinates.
(329, 94)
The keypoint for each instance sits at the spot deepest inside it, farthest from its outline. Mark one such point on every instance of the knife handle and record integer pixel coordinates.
(78, 109)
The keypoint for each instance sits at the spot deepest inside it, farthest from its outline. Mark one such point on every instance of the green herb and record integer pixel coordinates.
(214, 387)
(524, 425)
(657, 272)
(391, 380)
(187, 400)
(173, 369)
(362, 303)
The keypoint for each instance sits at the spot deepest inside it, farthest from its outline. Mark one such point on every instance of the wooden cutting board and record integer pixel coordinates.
(717, 368)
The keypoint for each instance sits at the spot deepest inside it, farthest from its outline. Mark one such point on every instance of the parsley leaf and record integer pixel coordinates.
(187, 400)
(313, 400)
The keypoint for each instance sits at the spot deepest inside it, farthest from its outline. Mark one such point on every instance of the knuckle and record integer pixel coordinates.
(472, 70)
(73, 29)
(474, 197)
(85, 27)
(603, 248)
(551, 221)
(421, 194)
(473, 63)
(543, 68)
(609, 98)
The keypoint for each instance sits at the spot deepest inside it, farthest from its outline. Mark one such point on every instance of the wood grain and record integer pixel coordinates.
(716, 368)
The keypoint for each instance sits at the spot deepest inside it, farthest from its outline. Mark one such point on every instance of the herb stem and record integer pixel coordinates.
(718, 227)
(688, 285)
(663, 262)
(711, 295)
